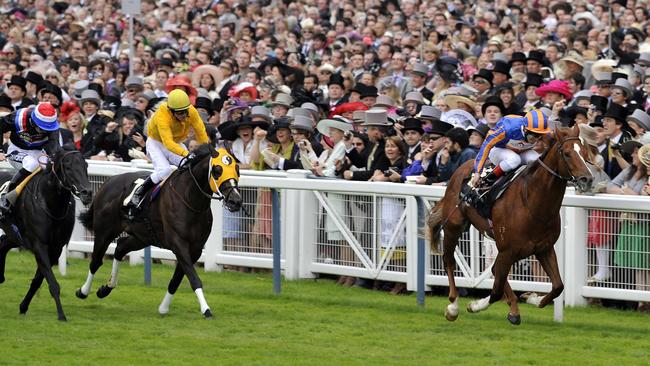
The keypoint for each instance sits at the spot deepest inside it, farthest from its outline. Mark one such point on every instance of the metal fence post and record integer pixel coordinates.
(147, 266)
(277, 241)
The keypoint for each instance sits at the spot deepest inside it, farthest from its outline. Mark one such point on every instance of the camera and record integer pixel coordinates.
(616, 146)
(388, 172)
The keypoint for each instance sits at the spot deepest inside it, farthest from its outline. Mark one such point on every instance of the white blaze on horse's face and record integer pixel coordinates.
(228, 167)
(577, 149)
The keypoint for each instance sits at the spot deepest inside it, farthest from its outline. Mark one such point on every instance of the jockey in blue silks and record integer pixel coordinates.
(509, 144)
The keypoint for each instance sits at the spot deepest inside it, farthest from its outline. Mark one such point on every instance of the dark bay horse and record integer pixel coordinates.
(43, 218)
(525, 220)
(179, 219)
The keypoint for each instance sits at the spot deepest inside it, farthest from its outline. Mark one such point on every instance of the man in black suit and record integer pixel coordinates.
(412, 134)
(373, 157)
(616, 130)
(419, 76)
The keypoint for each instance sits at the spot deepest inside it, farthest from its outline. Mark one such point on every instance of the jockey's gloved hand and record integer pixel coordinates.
(191, 156)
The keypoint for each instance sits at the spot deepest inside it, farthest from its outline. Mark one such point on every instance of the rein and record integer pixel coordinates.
(62, 182)
(572, 178)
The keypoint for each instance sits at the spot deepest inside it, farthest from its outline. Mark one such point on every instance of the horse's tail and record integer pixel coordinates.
(86, 218)
(434, 222)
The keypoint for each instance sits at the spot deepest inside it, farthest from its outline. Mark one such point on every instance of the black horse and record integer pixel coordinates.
(43, 218)
(178, 219)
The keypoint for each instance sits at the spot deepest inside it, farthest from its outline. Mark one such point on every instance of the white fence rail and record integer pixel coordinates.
(372, 229)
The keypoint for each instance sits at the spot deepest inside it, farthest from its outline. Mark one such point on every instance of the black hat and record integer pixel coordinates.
(5, 102)
(34, 78)
(536, 55)
(412, 124)
(282, 122)
(493, 101)
(501, 67)
(98, 88)
(459, 135)
(19, 81)
(618, 75)
(598, 122)
(482, 129)
(205, 103)
(533, 79)
(52, 89)
(617, 112)
(440, 127)
(166, 62)
(111, 103)
(599, 102)
(366, 90)
(485, 74)
(568, 115)
(517, 56)
(335, 79)
(229, 129)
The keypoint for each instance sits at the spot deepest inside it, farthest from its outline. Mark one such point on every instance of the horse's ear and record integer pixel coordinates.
(576, 130)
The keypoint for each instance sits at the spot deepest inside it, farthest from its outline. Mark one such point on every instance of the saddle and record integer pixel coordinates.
(489, 195)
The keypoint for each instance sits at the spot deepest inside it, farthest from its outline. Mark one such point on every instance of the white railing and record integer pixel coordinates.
(371, 230)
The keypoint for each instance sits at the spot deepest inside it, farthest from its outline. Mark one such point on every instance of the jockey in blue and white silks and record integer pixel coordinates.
(510, 143)
(34, 130)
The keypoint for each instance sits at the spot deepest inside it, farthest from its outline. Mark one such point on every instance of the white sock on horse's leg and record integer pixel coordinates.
(116, 267)
(164, 305)
(452, 309)
(480, 305)
(85, 289)
(202, 302)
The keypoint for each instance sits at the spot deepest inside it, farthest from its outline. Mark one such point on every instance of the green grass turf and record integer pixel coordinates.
(310, 323)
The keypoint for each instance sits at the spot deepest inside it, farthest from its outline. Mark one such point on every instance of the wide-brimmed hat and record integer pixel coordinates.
(415, 97)
(644, 155)
(90, 95)
(604, 65)
(283, 100)
(375, 117)
(641, 118)
(627, 148)
(624, 85)
(589, 134)
(459, 118)
(412, 124)
(482, 129)
(555, 86)
(617, 112)
(485, 74)
(278, 124)
(229, 129)
(302, 123)
(327, 68)
(452, 101)
(159, 54)
(214, 71)
(573, 56)
(339, 123)
(493, 101)
(384, 101)
(262, 112)
(429, 113)
(534, 80)
(18, 81)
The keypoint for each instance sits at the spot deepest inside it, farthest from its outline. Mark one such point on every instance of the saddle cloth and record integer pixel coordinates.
(489, 197)
(153, 194)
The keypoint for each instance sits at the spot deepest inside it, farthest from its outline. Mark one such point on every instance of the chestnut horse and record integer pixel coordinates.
(525, 220)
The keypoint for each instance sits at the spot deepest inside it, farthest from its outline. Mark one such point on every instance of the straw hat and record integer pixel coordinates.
(453, 100)
(644, 155)
(339, 123)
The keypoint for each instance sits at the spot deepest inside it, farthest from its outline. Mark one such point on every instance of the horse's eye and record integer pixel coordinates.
(217, 171)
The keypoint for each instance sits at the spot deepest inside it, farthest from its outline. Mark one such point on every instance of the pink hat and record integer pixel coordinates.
(555, 86)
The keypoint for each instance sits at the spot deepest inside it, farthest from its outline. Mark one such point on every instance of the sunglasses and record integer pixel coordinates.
(182, 113)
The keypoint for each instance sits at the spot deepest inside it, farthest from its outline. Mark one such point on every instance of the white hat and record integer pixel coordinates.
(339, 123)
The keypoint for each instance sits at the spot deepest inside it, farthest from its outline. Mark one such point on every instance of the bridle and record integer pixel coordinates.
(63, 180)
(219, 196)
(572, 177)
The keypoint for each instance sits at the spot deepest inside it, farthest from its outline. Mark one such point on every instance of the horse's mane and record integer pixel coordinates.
(552, 140)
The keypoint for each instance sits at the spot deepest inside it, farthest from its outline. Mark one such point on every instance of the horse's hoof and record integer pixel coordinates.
(208, 314)
(23, 309)
(514, 319)
(449, 316)
(2, 279)
(469, 308)
(104, 291)
(63, 318)
(80, 294)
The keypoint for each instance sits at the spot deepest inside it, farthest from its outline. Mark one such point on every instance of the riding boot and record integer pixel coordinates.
(5, 203)
(138, 197)
(491, 178)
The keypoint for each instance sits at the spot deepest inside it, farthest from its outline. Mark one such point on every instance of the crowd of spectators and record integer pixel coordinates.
(393, 91)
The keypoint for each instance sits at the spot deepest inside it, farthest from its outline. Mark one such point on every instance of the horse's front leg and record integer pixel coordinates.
(175, 281)
(548, 259)
(181, 250)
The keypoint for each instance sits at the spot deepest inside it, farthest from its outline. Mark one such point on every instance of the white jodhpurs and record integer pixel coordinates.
(509, 160)
(162, 160)
(25, 159)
